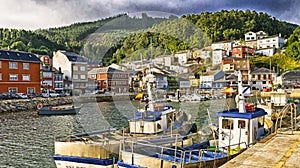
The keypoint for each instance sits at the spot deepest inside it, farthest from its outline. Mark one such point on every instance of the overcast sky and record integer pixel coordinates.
(34, 14)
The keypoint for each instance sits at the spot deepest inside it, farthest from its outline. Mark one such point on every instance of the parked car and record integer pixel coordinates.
(22, 95)
(33, 95)
(9, 95)
(49, 93)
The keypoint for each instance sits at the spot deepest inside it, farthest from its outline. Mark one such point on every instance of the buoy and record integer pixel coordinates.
(39, 106)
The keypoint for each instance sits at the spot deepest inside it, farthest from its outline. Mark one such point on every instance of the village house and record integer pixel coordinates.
(208, 79)
(217, 56)
(183, 56)
(270, 42)
(19, 72)
(111, 79)
(262, 78)
(291, 79)
(74, 69)
(242, 51)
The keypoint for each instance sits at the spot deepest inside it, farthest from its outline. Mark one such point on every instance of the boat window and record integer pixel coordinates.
(227, 124)
(242, 124)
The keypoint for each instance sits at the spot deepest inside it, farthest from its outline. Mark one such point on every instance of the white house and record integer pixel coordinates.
(223, 45)
(266, 51)
(74, 69)
(217, 56)
(270, 42)
(208, 79)
(183, 57)
(250, 36)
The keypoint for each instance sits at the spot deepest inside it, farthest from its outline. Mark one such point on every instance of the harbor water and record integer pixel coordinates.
(27, 139)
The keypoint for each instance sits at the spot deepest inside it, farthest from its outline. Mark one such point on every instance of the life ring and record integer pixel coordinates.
(39, 106)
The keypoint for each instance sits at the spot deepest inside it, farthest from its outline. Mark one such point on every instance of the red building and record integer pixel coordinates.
(19, 72)
(242, 51)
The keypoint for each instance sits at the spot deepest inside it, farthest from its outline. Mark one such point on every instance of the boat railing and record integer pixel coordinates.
(176, 153)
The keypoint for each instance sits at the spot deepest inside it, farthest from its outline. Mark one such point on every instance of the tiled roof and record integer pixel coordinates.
(109, 70)
(295, 74)
(18, 56)
(262, 70)
(73, 57)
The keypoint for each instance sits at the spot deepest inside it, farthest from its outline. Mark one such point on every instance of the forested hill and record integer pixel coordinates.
(133, 36)
(71, 38)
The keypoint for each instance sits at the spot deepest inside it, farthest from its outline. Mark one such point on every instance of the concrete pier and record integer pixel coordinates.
(277, 150)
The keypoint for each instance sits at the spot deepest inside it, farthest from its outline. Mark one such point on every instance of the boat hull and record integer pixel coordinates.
(69, 161)
(62, 111)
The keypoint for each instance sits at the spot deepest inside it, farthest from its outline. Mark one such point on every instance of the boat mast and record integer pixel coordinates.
(241, 91)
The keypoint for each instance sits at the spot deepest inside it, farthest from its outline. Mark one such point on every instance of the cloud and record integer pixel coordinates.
(33, 14)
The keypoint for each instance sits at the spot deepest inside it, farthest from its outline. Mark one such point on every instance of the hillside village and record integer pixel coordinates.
(191, 71)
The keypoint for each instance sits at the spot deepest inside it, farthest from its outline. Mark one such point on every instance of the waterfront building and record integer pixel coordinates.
(111, 79)
(19, 72)
(74, 69)
(58, 80)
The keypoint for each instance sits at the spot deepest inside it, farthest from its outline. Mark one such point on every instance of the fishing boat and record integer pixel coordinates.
(239, 128)
(57, 110)
(101, 148)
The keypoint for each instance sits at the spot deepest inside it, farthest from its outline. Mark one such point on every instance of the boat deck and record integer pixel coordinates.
(276, 150)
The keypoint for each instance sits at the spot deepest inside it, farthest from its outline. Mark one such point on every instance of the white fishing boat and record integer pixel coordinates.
(101, 148)
(238, 129)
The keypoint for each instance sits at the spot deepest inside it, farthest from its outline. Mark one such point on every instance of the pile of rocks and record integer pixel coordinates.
(31, 104)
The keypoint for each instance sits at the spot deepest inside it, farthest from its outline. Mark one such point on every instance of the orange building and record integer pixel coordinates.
(19, 72)
(242, 51)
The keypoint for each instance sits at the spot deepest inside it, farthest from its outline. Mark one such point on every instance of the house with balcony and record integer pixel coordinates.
(262, 78)
(19, 72)
(74, 69)
(58, 80)
(242, 51)
(243, 65)
(184, 85)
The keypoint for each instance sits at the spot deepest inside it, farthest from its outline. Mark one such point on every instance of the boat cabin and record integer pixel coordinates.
(151, 122)
(236, 127)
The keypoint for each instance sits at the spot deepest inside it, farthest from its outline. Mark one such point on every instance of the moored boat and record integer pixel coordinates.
(58, 110)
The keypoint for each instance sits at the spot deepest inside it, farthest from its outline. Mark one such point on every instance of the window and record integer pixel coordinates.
(13, 77)
(264, 82)
(82, 77)
(30, 90)
(26, 77)
(82, 68)
(13, 90)
(13, 65)
(227, 124)
(242, 124)
(25, 66)
(75, 76)
(254, 82)
(0, 64)
(75, 68)
(0, 76)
